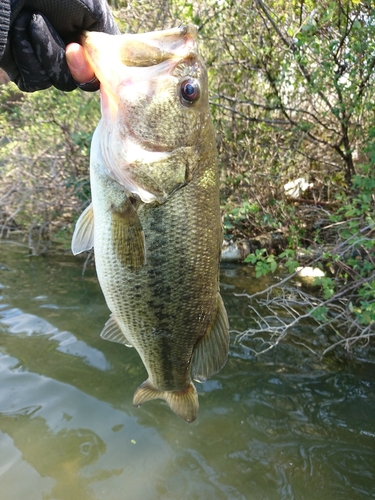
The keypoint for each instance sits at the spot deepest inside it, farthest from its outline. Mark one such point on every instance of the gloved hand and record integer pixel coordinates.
(34, 57)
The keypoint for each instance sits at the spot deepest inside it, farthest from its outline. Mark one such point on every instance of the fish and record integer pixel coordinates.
(154, 221)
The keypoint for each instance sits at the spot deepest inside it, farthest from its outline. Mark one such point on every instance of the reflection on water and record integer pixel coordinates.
(283, 426)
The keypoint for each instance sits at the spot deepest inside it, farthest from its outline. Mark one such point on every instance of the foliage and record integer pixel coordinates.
(44, 161)
(292, 96)
(263, 263)
(291, 87)
(346, 303)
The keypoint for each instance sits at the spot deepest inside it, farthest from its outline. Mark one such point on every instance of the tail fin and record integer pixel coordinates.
(184, 403)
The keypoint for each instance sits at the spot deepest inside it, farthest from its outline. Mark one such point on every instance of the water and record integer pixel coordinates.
(283, 426)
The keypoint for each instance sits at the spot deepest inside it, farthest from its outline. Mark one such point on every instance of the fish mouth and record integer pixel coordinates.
(158, 46)
(145, 49)
(129, 60)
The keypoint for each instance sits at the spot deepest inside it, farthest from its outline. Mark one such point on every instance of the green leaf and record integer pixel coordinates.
(320, 314)
(251, 259)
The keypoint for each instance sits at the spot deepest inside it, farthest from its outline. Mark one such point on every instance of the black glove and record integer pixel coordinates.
(34, 57)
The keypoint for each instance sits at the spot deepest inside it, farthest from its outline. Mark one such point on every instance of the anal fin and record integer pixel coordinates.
(83, 236)
(211, 353)
(184, 403)
(113, 332)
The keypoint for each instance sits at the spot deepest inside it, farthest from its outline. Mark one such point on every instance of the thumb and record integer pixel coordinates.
(79, 66)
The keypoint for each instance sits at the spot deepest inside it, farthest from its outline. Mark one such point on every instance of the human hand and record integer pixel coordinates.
(40, 30)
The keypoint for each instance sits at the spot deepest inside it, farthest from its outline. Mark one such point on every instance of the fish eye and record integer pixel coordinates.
(189, 91)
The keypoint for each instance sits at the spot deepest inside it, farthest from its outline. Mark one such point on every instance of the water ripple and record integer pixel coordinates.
(29, 325)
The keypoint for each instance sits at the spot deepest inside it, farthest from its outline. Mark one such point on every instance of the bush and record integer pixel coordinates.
(44, 161)
(346, 303)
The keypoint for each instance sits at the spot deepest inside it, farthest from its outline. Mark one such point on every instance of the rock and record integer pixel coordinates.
(308, 274)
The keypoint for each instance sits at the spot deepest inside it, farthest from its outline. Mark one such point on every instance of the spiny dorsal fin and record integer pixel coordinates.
(211, 353)
(113, 332)
(128, 236)
(83, 237)
(184, 403)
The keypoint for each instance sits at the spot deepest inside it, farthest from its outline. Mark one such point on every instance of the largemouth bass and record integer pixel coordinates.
(154, 221)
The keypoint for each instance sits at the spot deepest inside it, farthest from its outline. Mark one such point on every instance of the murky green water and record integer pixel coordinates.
(285, 426)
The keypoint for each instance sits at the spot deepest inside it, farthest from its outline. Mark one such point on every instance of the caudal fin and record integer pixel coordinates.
(184, 403)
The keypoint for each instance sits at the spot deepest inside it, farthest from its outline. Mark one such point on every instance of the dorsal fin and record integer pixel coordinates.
(83, 236)
(113, 332)
(211, 353)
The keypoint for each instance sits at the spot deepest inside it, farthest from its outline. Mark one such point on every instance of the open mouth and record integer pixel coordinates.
(130, 63)
(111, 52)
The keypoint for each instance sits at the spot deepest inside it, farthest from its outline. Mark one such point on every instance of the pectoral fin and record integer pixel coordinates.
(113, 332)
(128, 236)
(83, 236)
(184, 403)
(211, 353)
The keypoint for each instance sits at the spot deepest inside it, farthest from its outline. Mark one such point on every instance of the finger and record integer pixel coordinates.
(78, 64)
